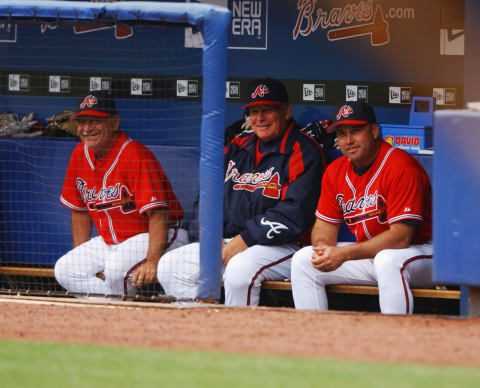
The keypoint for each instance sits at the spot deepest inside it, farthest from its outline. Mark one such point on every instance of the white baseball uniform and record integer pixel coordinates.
(179, 271)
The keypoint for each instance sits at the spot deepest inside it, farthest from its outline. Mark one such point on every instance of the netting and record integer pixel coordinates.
(54, 56)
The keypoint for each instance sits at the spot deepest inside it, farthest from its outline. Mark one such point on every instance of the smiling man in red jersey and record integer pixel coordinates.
(117, 183)
(384, 196)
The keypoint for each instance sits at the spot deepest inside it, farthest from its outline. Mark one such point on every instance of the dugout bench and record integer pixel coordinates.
(35, 227)
(279, 293)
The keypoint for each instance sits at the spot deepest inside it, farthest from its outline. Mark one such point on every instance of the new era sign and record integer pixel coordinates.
(59, 84)
(356, 93)
(187, 88)
(445, 96)
(313, 92)
(249, 25)
(141, 86)
(100, 83)
(19, 82)
(399, 95)
(233, 89)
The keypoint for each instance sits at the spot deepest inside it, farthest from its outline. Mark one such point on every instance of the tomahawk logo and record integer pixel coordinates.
(260, 91)
(344, 111)
(126, 203)
(89, 101)
(275, 227)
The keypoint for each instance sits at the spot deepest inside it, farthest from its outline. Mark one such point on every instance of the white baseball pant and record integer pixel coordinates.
(393, 270)
(76, 271)
(179, 271)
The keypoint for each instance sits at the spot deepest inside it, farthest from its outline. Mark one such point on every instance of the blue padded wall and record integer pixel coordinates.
(456, 188)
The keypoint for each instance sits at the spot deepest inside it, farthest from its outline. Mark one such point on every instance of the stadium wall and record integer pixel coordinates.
(419, 53)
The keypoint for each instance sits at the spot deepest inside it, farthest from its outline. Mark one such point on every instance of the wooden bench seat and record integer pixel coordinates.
(368, 290)
(268, 285)
(27, 271)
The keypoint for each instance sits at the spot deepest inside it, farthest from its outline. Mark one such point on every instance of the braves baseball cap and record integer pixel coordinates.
(352, 112)
(96, 104)
(266, 91)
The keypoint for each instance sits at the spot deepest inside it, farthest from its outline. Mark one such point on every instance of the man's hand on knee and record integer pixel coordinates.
(234, 247)
(145, 274)
(327, 258)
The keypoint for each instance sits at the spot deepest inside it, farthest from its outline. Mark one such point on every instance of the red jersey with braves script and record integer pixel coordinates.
(395, 188)
(119, 189)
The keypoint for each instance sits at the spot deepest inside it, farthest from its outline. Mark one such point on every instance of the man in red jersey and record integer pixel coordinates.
(119, 184)
(384, 196)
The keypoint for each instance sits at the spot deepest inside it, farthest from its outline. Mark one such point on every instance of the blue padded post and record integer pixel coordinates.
(214, 30)
(456, 184)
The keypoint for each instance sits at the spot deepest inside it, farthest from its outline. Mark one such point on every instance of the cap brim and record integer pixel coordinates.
(94, 113)
(332, 127)
(263, 103)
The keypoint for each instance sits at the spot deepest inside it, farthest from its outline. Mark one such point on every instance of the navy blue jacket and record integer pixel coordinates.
(274, 202)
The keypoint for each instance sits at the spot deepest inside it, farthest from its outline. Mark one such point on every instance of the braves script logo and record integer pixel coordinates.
(275, 227)
(265, 181)
(121, 31)
(111, 197)
(89, 101)
(344, 111)
(260, 91)
(361, 206)
(308, 21)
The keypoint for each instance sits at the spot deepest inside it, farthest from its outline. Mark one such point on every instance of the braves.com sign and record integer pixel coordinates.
(249, 24)
(350, 21)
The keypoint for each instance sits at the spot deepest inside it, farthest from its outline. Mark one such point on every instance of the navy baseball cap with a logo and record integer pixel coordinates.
(96, 104)
(353, 113)
(266, 91)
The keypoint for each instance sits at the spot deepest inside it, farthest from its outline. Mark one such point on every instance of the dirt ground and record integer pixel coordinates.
(271, 331)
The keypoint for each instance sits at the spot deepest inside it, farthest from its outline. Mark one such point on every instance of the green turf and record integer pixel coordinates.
(25, 364)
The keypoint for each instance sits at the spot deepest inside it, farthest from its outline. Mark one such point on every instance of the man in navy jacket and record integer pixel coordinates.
(271, 189)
